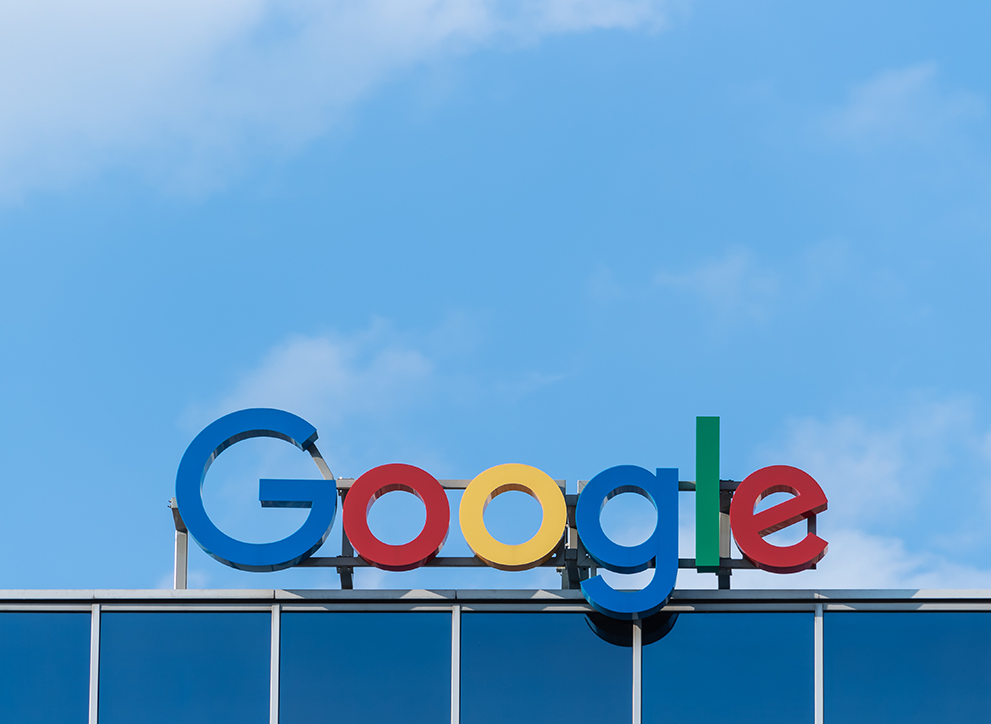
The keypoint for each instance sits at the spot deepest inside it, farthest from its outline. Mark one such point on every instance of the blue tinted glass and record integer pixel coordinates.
(748, 668)
(365, 667)
(907, 667)
(542, 667)
(194, 668)
(44, 667)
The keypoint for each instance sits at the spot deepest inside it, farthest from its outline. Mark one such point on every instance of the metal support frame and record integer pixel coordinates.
(570, 558)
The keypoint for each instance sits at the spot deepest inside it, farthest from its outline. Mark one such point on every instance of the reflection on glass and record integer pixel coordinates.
(365, 667)
(44, 668)
(541, 667)
(620, 633)
(748, 668)
(909, 667)
(194, 668)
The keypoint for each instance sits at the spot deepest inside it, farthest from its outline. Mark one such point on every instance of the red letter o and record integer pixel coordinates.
(385, 479)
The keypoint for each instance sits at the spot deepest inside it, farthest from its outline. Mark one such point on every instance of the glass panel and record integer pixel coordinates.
(184, 667)
(542, 667)
(365, 667)
(44, 667)
(742, 667)
(907, 667)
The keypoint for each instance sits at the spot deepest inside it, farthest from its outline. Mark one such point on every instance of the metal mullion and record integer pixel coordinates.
(94, 665)
(455, 664)
(273, 696)
(637, 672)
(819, 666)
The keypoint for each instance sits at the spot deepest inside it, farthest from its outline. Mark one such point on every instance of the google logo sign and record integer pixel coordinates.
(749, 525)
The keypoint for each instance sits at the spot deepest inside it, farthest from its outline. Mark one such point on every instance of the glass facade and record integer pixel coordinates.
(365, 667)
(531, 667)
(196, 668)
(759, 666)
(721, 660)
(44, 667)
(910, 668)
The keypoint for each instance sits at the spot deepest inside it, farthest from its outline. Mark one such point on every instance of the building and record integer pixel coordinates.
(586, 654)
(492, 656)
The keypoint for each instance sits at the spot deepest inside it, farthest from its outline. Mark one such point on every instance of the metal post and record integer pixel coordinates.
(181, 547)
(723, 579)
(455, 664)
(637, 672)
(570, 575)
(347, 551)
(273, 696)
(725, 533)
(819, 689)
(94, 665)
(181, 560)
(591, 571)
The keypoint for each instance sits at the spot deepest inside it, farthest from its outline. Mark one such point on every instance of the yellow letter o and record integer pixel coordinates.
(525, 479)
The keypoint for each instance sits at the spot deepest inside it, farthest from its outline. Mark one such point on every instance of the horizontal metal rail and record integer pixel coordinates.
(467, 561)
(462, 483)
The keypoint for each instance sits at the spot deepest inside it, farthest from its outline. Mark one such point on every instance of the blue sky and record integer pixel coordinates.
(457, 234)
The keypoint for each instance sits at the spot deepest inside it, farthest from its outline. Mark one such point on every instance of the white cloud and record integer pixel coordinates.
(907, 105)
(733, 283)
(518, 388)
(335, 378)
(374, 374)
(183, 89)
(873, 472)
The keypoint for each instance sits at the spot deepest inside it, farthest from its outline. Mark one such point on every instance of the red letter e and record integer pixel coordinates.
(749, 528)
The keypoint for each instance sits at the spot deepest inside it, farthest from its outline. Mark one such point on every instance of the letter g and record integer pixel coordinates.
(320, 496)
